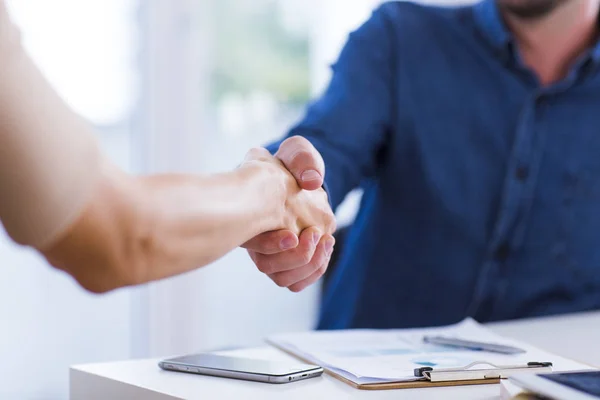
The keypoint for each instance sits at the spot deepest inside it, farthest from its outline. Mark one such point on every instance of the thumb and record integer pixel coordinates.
(303, 161)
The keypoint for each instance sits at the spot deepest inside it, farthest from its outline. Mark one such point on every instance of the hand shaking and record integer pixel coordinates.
(298, 254)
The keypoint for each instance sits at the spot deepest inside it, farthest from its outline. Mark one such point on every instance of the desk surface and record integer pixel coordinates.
(573, 336)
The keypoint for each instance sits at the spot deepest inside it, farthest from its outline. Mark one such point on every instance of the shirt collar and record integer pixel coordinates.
(595, 52)
(489, 21)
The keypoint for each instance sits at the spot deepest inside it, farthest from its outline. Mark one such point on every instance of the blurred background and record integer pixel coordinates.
(171, 85)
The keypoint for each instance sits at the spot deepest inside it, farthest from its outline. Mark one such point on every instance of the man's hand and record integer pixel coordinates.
(303, 161)
(292, 261)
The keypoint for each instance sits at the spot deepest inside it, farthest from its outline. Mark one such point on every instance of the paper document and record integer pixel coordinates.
(381, 356)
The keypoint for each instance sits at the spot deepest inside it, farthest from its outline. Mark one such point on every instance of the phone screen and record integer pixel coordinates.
(225, 363)
(586, 382)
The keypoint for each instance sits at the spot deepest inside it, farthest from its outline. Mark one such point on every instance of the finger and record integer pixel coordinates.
(272, 242)
(303, 161)
(300, 286)
(290, 259)
(320, 259)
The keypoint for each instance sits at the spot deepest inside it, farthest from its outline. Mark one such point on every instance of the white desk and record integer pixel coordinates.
(574, 336)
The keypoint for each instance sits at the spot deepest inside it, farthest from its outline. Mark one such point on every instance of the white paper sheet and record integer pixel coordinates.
(379, 356)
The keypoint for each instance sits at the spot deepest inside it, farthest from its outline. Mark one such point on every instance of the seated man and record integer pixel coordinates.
(474, 132)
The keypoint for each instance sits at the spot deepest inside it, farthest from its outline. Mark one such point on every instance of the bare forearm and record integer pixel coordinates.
(106, 228)
(204, 218)
(137, 230)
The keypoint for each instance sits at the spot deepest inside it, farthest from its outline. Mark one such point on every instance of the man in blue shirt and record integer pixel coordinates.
(475, 134)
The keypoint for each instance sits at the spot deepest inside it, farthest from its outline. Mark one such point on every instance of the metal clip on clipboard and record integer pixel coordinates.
(468, 373)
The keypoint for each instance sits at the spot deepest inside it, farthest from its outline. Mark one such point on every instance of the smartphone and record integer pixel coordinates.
(242, 368)
(584, 385)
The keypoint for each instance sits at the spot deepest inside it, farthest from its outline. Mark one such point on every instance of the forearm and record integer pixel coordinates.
(197, 220)
(106, 228)
(137, 230)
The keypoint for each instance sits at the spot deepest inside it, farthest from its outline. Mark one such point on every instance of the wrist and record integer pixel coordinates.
(270, 186)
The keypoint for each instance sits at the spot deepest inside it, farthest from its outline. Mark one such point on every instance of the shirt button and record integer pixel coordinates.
(502, 252)
(522, 173)
(542, 98)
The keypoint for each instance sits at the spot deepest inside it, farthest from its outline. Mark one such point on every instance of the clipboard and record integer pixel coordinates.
(430, 377)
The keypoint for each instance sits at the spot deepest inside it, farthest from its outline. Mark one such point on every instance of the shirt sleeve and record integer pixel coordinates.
(49, 158)
(349, 123)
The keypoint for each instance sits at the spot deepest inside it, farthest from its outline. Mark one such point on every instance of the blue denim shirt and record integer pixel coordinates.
(482, 188)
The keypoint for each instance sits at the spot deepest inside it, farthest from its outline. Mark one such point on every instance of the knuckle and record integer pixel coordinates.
(279, 281)
(329, 215)
(318, 260)
(323, 269)
(296, 141)
(264, 266)
(252, 153)
(328, 220)
(323, 261)
(303, 156)
(257, 150)
(257, 153)
(331, 222)
(299, 151)
(261, 268)
(305, 258)
(317, 274)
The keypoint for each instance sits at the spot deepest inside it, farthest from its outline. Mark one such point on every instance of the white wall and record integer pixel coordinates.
(330, 31)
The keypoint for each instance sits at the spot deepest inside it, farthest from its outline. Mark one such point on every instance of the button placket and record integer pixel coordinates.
(528, 180)
(517, 198)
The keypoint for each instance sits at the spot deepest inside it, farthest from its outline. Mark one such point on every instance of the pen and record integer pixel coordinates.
(472, 345)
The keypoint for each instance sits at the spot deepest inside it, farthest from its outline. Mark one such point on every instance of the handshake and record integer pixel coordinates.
(297, 253)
